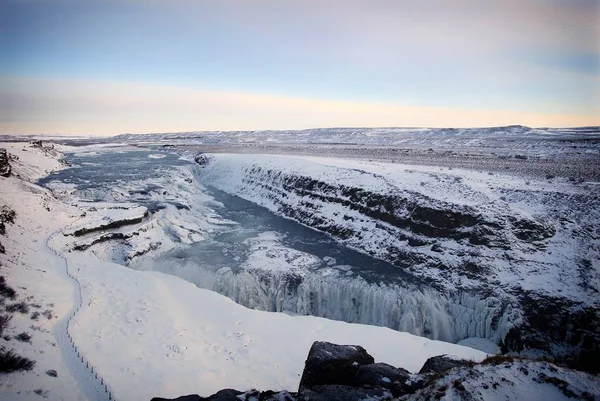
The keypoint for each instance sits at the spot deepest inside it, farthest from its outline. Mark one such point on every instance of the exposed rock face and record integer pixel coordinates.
(191, 397)
(336, 392)
(202, 159)
(404, 220)
(573, 325)
(6, 216)
(333, 364)
(234, 395)
(348, 372)
(441, 364)
(397, 380)
(5, 168)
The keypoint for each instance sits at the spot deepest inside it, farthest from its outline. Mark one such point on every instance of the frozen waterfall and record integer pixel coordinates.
(425, 313)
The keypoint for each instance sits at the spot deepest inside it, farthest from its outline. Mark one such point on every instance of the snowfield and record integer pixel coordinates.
(112, 332)
(148, 334)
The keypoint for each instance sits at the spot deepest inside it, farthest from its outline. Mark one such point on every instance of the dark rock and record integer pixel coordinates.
(201, 159)
(489, 236)
(531, 230)
(52, 373)
(442, 363)
(553, 322)
(268, 395)
(223, 395)
(110, 225)
(191, 397)
(6, 216)
(36, 144)
(384, 375)
(336, 392)
(437, 248)
(5, 168)
(333, 364)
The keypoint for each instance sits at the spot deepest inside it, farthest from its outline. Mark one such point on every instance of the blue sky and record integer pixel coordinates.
(107, 67)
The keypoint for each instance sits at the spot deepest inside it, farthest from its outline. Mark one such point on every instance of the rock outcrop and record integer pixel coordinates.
(5, 167)
(329, 364)
(202, 159)
(442, 363)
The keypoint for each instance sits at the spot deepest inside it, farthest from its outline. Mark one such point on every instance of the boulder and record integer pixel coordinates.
(397, 380)
(442, 363)
(268, 395)
(223, 395)
(336, 392)
(5, 168)
(191, 397)
(201, 159)
(332, 364)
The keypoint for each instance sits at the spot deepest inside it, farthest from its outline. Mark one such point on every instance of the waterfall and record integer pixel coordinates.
(423, 312)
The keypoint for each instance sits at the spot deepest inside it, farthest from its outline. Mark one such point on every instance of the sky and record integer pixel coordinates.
(90, 67)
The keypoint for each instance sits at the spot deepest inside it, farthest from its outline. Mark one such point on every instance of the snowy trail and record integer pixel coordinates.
(90, 383)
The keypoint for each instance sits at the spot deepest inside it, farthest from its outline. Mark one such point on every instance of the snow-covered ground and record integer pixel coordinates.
(148, 334)
(481, 238)
(491, 199)
(404, 214)
(511, 380)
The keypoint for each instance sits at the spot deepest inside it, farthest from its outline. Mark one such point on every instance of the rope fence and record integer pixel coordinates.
(102, 383)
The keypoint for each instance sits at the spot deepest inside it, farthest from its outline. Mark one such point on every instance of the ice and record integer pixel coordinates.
(421, 312)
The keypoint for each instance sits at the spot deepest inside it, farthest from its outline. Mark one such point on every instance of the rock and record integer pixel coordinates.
(437, 248)
(442, 363)
(191, 397)
(52, 373)
(201, 159)
(36, 144)
(268, 395)
(336, 392)
(330, 364)
(6, 216)
(384, 375)
(222, 395)
(532, 230)
(5, 168)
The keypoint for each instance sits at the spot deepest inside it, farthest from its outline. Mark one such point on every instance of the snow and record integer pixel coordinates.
(268, 254)
(193, 340)
(32, 162)
(481, 344)
(517, 380)
(497, 198)
(108, 217)
(493, 137)
(149, 334)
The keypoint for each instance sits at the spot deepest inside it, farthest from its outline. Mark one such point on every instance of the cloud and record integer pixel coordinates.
(84, 107)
